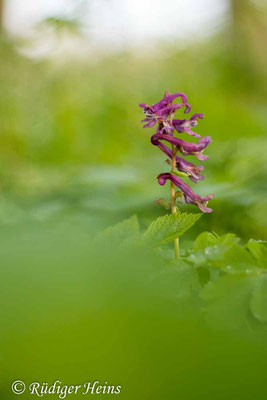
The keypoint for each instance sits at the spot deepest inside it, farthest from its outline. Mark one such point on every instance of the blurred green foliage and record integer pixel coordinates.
(70, 129)
(117, 312)
(74, 159)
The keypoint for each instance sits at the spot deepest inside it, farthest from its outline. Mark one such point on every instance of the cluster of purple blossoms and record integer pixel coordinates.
(162, 114)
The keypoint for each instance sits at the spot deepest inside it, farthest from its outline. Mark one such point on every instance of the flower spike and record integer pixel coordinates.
(162, 114)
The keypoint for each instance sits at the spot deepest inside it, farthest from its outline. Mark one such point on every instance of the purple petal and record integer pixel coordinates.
(201, 157)
(204, 142)
(205, 209)
(193, 171)
(145, 120)
(187, 108)
(186, 148)
(185, 125)
(189, 195)
(167, 100)
(150, 124)
(191, 133)
(164, 112)
(198, 115)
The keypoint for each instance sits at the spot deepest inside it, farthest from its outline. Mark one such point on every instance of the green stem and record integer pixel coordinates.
(173, 204)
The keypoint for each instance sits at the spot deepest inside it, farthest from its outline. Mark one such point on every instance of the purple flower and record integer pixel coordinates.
(151, 121)
(166, 101)
(162, 114)
(182, 165)
(191, 169)
(165, 128)
(163, 109)
(189, 195)
(185, 148)
(185, 125)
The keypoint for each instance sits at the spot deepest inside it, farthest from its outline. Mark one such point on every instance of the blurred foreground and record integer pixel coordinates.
(76, 313)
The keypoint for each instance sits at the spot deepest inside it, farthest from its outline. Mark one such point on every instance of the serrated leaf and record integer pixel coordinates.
(169, 227)
(119, 234)
(258, 301)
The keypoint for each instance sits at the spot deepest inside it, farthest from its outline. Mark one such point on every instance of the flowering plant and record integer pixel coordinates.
(162, 114)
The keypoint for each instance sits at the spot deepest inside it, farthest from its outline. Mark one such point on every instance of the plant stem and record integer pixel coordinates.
(173, 203)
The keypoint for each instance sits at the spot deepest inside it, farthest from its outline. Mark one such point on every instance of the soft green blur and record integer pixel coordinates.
(77, 313)
(74, 158)
(71, 132)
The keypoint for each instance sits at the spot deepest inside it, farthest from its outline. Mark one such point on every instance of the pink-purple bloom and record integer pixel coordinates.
(189, 195)
(182, 165)
(185, 125)
(162, 113)
(162, 110)
(186, 148)
(191, 169)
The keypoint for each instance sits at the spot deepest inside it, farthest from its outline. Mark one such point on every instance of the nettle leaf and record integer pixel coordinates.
(258, 301)
(169, 227)
(259, 251)
(122, 233)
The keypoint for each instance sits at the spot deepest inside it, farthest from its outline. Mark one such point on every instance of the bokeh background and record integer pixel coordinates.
(72, 76)
(74, 159)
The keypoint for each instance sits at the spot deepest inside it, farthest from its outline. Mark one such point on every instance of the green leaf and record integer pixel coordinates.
(205, 239)
(163, 203)
(180, 284)
(226, 301)
(259, 251)
(258, 301)
(236, 260)
(169, 227)
(179, 173)
(229, 239)
(119, 234)
(223, 253)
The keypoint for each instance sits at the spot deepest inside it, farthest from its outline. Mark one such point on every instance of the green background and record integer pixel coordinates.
(74, 159)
